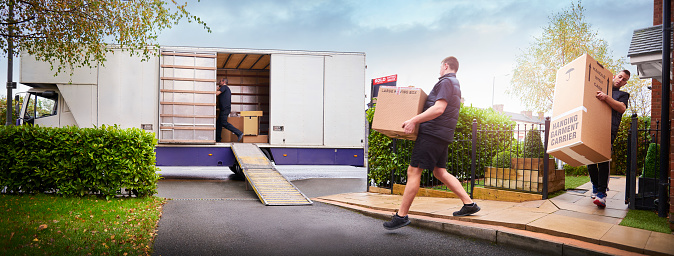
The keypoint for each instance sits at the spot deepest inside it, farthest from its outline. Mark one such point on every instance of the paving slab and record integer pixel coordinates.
(592, 217)
(626, 238)
(560, 225)
(660, 244)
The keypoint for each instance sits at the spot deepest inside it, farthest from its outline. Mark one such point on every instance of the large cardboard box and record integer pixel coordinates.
(255, 139)
(580, 128)
(396, 105)
(251, 122)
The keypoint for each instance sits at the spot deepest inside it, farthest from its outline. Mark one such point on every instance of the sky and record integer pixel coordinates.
(407, 38)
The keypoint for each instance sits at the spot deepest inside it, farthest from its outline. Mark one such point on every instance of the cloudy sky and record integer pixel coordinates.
(408, 38)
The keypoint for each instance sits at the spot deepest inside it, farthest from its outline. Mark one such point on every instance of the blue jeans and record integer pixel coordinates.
(599, 176)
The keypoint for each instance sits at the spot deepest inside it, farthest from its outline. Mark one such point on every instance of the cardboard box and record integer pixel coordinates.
(251, 122)
(580, 128)
(396, 105)
(255, 139)
(227, 135)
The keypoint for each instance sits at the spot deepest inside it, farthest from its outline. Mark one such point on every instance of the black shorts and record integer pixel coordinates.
(429, 153)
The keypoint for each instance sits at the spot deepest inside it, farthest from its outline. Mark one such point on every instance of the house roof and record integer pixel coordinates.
(524, 118)
(646, 41)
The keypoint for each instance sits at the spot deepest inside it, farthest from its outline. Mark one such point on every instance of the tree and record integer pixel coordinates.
(640, 96)
(77, 33)
(566, 37)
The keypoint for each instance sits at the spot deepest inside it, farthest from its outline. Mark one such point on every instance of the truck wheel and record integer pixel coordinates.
(267, 153)
(236, 169)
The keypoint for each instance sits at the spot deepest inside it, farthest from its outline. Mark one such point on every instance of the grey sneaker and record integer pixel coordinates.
(396, 222)
(240, 136)
(467, 210)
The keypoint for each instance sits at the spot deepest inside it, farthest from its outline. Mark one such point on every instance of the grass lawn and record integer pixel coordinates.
(647, 220)
(52, 225)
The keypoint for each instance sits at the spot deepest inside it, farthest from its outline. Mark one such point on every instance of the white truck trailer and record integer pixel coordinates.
(313, 103)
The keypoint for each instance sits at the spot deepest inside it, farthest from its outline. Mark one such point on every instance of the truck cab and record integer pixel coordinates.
(42, 106)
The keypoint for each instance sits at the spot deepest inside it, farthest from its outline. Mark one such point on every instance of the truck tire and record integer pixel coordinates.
(236, 169)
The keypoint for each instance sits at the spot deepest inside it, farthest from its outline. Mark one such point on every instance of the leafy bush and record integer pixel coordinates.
(502, 159)
(533, 146)
(620, 144)
(652, 165)
(77, 161)
(575, 171)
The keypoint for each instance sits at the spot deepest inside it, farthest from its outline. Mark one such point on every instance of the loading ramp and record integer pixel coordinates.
(270, 186)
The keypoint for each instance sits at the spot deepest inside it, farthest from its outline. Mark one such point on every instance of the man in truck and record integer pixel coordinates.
(224, 102)
(436, 130)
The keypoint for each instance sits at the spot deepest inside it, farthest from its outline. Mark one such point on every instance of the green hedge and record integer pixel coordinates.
(381, 159)
(75, 161)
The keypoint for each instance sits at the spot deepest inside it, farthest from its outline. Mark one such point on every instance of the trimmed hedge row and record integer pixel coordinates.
(75, 161)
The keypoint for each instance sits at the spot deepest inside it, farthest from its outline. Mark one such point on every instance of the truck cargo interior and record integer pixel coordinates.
(248, 76)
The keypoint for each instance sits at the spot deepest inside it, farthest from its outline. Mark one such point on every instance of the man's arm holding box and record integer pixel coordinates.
(614, 104)
(431, 113)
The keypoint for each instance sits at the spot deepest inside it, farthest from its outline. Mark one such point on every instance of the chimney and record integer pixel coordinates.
(527, 113)
(541, 115)
(498, 108)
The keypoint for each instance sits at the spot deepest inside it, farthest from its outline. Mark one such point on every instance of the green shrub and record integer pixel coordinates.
(575, 171)
(533, 146)
(652, 165)
(502, 159)
(75, 161)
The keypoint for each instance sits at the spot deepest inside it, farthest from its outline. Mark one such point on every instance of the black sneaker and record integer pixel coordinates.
(467, 210)
(396, 222)
(240, 136)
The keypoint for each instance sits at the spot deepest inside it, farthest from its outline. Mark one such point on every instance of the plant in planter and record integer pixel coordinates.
(533, 146)
(652, 164)
(649, 179)
(533, 153)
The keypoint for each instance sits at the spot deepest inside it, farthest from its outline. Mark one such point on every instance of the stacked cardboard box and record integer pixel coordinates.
(580, 128)
(396, 105)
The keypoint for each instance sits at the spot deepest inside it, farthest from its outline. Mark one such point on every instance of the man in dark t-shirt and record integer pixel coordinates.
(224, 99)
(618, 101)
(436, 130)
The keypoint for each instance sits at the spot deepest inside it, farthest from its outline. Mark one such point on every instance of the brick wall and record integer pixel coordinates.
(656, 105)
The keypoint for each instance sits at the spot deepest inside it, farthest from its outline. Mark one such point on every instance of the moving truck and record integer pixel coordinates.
(312, 103)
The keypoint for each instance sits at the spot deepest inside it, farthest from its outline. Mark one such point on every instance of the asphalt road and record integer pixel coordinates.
(212, 213)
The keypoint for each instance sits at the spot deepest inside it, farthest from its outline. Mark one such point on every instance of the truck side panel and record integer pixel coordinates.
(296, 100)
(344, 100)
(81, 100)
(39, 72)
(127, 91)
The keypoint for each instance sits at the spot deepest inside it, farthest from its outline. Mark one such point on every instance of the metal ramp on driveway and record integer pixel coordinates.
(270, 186)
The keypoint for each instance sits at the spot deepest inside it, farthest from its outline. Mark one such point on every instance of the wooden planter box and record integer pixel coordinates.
(531, 164)
(525, 174)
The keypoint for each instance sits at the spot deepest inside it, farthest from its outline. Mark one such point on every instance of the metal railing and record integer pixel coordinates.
(471, 159)
(641, 195)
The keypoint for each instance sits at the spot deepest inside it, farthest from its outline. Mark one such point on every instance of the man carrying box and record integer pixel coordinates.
(437, 123)
(618, 102)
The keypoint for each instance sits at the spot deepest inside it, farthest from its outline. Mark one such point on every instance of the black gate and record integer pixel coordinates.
(642, 194)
